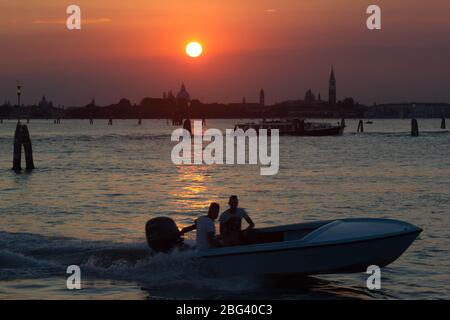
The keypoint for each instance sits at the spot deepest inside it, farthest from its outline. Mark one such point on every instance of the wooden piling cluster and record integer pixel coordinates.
(22, 138)
(360, 126)
(110, 122)
(177, 122)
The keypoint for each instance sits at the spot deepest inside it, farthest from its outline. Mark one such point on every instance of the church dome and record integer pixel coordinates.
(183, 95)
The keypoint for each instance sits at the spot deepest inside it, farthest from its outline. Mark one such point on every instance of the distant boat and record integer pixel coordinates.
(369, 122)
(295, 127)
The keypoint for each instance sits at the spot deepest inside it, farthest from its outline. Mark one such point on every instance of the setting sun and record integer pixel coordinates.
(194, 49)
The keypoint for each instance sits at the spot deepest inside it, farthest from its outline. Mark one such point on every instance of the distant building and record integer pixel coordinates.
(92, 103)
(332, 89)
(170, 96)
(309, 96)
(44, 103)
(124, 103)
(262, 98)
(410, 110)
(183, 96)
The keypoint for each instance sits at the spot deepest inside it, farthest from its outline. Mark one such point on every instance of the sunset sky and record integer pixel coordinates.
(136, 48)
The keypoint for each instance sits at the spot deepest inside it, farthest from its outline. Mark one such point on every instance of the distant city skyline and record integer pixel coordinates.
(135, 50)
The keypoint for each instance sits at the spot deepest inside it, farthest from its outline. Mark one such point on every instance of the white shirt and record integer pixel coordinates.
(238, 214)
(205, 225)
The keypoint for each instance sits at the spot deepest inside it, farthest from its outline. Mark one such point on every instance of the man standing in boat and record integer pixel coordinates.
(231, 222)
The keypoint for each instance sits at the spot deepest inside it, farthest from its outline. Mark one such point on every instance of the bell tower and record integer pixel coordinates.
(332, 89)
(262, 98)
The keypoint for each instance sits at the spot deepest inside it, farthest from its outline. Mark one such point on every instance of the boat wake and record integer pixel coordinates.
(177, 275)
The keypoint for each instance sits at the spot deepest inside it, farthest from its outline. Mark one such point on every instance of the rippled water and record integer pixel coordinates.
(96, 186)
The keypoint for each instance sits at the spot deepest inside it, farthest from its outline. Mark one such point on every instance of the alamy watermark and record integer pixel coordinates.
(74, 280)
(73, 22)
(374, 280)
(373, 22)
(191, 150)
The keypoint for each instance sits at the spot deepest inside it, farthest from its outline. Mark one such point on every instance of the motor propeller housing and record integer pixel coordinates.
(163, 234)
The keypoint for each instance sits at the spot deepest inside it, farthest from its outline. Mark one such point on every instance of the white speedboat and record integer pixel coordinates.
(324, 247)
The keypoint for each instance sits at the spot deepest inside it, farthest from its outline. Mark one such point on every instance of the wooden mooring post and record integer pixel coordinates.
(360, 126)
(443, 124)
(414, 128)
(187, 125)
(110, 122)
(91, 121)
(22, 137)
(26, 141)
(17, 156)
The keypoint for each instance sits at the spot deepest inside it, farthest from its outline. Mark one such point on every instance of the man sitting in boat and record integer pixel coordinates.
(206, 229)
(231, 223)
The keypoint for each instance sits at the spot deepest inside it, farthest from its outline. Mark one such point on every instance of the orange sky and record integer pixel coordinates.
(135, 48)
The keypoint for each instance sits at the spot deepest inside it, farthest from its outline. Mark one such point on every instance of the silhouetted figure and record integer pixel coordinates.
(206, 229)
(231, 222)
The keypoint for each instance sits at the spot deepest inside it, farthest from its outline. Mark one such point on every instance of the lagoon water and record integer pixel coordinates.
(96, 186)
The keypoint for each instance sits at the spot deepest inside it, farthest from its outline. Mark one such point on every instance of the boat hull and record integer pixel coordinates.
(345, 257)
(296, 127)
(334, 131)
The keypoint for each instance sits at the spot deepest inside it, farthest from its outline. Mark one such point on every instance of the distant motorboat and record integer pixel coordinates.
(295, 127)
(322, 247)
(369, 122)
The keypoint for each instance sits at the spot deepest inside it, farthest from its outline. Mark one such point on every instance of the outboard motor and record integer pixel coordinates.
(162, 234)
